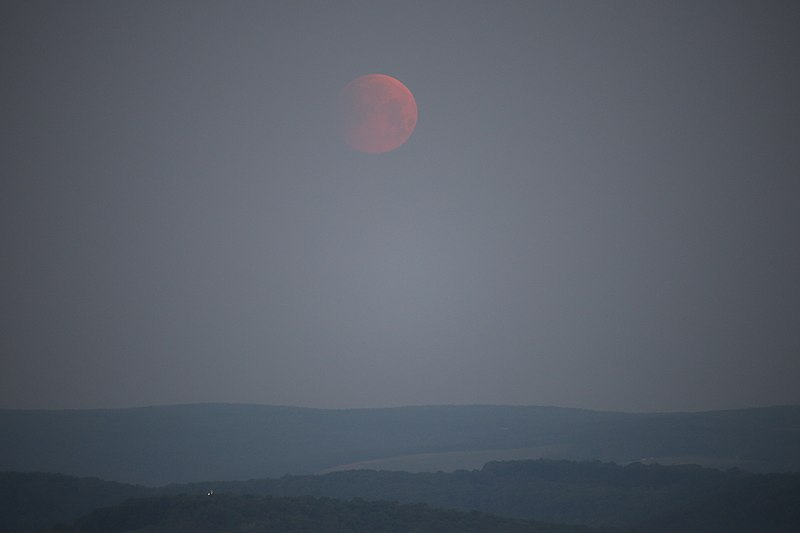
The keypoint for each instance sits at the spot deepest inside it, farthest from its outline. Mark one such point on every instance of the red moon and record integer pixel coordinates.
(377, 113)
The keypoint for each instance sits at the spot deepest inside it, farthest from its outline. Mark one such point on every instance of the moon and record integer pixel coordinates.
(377, 113)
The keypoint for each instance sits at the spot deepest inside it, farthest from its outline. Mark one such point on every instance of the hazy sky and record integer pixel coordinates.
(599, 206)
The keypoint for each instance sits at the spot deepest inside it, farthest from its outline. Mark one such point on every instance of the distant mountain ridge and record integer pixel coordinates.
(172, 444)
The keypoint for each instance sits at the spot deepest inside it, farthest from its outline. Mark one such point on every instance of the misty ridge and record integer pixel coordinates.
(228, 467)
(158, 445)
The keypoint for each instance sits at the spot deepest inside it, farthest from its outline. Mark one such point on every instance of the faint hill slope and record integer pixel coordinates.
(35, 500)
(158, 445)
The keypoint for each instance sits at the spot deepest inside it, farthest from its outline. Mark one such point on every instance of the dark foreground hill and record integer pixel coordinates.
(31, 501)
(158, 445)
(650, 498)
(647, 498)
(237, 513)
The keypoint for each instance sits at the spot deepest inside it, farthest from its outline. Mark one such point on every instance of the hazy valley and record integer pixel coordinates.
(175, 444)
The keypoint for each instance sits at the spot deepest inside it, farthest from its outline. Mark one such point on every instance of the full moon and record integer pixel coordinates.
(377, 113)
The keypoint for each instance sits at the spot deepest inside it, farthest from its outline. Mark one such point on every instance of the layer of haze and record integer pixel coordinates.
(599, 206)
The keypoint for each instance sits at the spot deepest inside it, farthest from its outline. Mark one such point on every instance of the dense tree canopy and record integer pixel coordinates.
(648, 498)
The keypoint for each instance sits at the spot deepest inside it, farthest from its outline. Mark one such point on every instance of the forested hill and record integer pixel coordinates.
(648, 498)
(158, 445)
(237, 513)
(651, 498)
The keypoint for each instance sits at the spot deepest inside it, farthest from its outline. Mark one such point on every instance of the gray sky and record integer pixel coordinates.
(599, 207)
